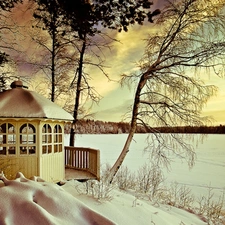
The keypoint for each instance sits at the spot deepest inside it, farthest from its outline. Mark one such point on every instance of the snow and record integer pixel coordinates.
(34, 201)
(25, 201)
(124, 208)
(22, 103)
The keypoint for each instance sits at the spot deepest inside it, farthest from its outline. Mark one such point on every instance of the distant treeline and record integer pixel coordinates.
(193, 129)
(100, 127)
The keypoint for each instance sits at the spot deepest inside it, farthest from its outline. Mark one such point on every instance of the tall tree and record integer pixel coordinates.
(88, 18)
(5, 7)
(169, 90)
(65, 36)
(56, 56)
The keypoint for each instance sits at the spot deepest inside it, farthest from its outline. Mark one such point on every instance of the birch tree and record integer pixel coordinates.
(170, 91)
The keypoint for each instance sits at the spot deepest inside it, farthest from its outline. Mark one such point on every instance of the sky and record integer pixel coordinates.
(121, 58)
(116, 101)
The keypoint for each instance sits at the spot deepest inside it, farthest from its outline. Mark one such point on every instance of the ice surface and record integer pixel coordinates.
(208, 171)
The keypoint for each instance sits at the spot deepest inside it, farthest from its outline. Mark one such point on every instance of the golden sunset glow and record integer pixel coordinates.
(121, 59)
(116, 101)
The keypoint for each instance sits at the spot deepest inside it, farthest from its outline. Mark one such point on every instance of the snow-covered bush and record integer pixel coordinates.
(149, 180)
(179, 196)
(125, 179)
(211, 209)
(101, 189)
(148, 183)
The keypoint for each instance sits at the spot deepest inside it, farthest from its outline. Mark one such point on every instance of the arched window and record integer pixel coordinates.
(7, 139)
(27, 139)
(46, 139)
(57, 138)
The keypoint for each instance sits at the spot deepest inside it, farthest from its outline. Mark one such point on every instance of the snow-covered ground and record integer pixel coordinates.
(31, 202)
(35, 202)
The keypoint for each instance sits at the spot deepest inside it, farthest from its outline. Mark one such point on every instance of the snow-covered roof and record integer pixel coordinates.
(20, 102)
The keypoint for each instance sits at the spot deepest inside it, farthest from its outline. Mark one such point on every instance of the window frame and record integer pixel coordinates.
(27, 139)
(58, 138)
(46, 139)
(7, 146)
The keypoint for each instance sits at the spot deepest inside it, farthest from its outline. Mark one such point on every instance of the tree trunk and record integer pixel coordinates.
(53, 59)
(133, 127)
(53, 75)
(78, 92)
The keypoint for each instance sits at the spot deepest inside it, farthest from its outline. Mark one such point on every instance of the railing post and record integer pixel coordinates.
(98, 165)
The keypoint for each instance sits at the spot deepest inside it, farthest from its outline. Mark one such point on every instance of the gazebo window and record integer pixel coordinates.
(7, 139)
(57, 138)
(27, 139)
(46, 139)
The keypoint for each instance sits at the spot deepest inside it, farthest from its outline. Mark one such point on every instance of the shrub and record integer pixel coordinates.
(125, 179)
(210, 208)
(149, 179)
(101, 189)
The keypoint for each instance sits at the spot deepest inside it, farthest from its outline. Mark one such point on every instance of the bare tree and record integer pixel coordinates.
(55, 55)
(169, 90)
(6, 29)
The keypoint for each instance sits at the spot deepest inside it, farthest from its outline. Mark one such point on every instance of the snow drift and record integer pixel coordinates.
(36, 202)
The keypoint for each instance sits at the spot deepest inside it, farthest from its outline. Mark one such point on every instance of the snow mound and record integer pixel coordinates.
(127, 209)
(34, 201)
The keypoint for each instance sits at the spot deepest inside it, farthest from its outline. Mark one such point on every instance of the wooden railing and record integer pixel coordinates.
(85, 159)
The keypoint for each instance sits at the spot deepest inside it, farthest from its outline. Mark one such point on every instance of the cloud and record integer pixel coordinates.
(115, 114)
(114, 105)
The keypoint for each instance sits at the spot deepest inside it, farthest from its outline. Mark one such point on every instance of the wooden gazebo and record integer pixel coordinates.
(32, 139)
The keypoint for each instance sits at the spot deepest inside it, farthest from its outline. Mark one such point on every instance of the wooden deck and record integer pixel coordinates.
(82, 163)
(73, 174)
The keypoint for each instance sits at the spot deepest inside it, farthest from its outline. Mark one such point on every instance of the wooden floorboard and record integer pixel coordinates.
(72, 174)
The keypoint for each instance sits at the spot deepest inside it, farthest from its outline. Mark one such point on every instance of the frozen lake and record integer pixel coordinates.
(208, 171)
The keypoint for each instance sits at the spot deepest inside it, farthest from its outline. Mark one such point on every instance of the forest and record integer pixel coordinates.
(101, 127)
